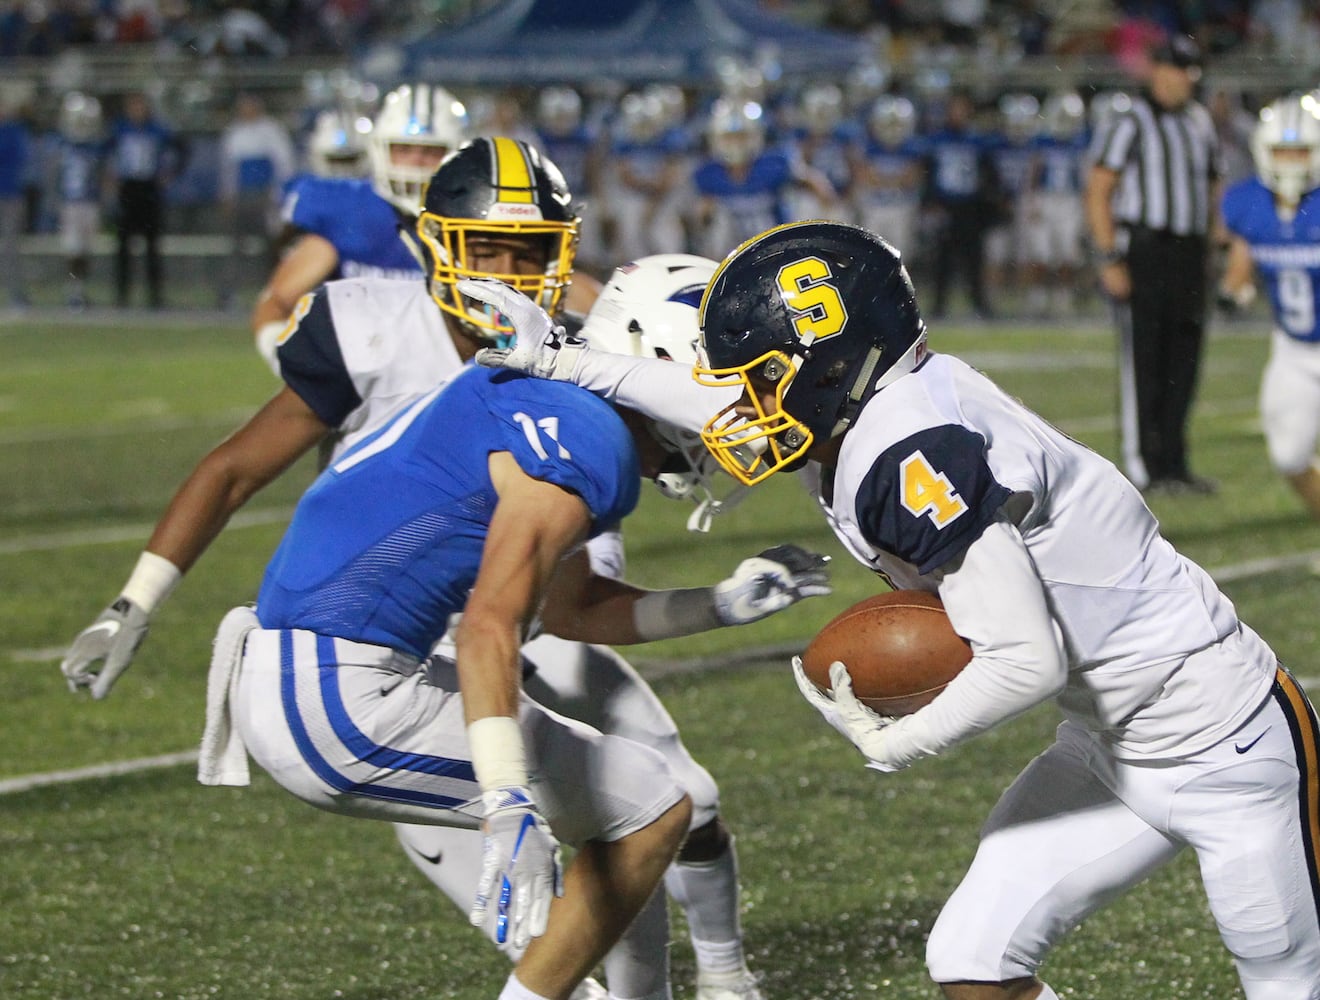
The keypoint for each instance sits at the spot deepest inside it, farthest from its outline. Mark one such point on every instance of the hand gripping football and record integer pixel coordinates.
(899, 647)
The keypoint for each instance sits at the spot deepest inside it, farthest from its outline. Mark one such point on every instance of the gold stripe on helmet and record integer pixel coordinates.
(513, 174)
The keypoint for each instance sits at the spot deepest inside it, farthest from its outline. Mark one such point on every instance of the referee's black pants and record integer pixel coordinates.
(141, 209)
(1161, 335)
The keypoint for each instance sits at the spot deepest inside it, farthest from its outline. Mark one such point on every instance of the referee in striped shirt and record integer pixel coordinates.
(1150, 195)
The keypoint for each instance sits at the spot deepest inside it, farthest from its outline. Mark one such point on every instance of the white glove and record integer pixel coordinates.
(772, 581)
(520, 869)
(542, 347)
(864, 728)
(114, 637)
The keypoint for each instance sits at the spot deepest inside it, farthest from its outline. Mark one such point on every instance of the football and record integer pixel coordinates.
(900, 649)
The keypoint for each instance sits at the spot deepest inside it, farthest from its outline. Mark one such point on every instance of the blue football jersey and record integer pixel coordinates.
(1286, 254)
(386, 544)
(892, 181)
(1013, 163)
(1060, 163)
(357, 222)
(756, 203)
(955, 164)
(79, 175)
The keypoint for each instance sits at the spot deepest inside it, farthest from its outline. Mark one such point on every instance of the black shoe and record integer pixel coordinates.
(1183, 485)
(1198, 485)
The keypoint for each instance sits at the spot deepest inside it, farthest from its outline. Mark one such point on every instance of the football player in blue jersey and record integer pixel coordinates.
(81, 151)
(333, 690)
(743, 186)
(360, 350)
(348, 227)
(890, 172)
(1274, 224)
(1181, 729)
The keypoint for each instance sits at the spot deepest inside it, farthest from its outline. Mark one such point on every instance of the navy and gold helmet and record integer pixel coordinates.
(819, 315)
(496, 188)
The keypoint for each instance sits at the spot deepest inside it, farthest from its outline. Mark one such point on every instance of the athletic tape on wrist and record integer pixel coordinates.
(667, 614)
(153, 579)
(498, 756)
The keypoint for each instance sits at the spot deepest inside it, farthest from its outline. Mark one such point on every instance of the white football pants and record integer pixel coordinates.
(1079, 827)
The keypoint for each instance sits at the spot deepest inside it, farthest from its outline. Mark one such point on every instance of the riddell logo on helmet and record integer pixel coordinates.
(503, 210)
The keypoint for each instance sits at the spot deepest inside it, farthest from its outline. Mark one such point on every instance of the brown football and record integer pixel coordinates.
(900, 649)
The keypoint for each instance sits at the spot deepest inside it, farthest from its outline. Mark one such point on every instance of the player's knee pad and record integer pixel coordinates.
(705, 842)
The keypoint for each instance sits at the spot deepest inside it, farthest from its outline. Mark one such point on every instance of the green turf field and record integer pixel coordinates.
(149, 885)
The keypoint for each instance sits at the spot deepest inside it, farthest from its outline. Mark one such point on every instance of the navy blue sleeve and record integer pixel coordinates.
(928, 497)
(312, 364)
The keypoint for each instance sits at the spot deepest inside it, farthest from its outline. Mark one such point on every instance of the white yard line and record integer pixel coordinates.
(127, 533)
(781, 652)
(27, 782)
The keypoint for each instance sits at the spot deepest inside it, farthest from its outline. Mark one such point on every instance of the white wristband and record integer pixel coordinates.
(268, 337)
(498, 757)
(668, 614)
(153, 579)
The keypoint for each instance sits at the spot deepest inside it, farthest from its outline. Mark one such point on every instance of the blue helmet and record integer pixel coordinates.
(820, 314)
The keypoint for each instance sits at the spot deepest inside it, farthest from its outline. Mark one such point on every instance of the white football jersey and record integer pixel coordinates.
(1158, 662)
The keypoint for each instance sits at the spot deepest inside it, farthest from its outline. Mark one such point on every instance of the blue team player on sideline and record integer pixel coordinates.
(348, 227)
(331, 690)
(1274, 225)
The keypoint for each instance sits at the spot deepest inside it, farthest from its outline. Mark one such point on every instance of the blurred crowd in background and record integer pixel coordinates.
(975, 183)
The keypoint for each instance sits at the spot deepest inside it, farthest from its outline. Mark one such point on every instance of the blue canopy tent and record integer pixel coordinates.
(580, 41)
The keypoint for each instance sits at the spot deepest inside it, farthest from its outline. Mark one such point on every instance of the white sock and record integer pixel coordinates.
(514, 990)
(708, 893)
(637, 967)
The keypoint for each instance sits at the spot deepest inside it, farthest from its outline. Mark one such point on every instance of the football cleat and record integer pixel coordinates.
(589, 989)
(739, 985)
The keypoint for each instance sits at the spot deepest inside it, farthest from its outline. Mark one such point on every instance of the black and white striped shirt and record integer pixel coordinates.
(1166, 161)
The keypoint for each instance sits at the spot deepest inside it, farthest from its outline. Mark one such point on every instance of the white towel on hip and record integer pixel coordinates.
(222, 758)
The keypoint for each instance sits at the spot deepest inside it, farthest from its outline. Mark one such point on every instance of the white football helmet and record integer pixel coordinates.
(558, 110)
(410, 116)
(1286, 148)
(80, 117)
(820, 109)
(1064, 114)
(641, 116)
(673, 105)
(735, 131)
(648, 309)
(1107, 106)
(893, 120)
(337, 146)
(1019, 114)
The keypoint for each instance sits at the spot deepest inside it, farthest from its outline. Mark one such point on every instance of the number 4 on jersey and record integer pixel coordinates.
(925, 491)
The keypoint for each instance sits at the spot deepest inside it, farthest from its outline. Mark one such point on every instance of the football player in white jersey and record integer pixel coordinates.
(346, 226)
(363, 350)
(1181, 728)
(1273, 220)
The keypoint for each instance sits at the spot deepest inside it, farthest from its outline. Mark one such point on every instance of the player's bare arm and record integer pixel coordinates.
(534, 524)
(1100, 185)
(1237, 288)
(278, 435)
(309, 262)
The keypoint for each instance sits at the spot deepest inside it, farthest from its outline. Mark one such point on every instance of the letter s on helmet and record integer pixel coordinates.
(819, 315)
